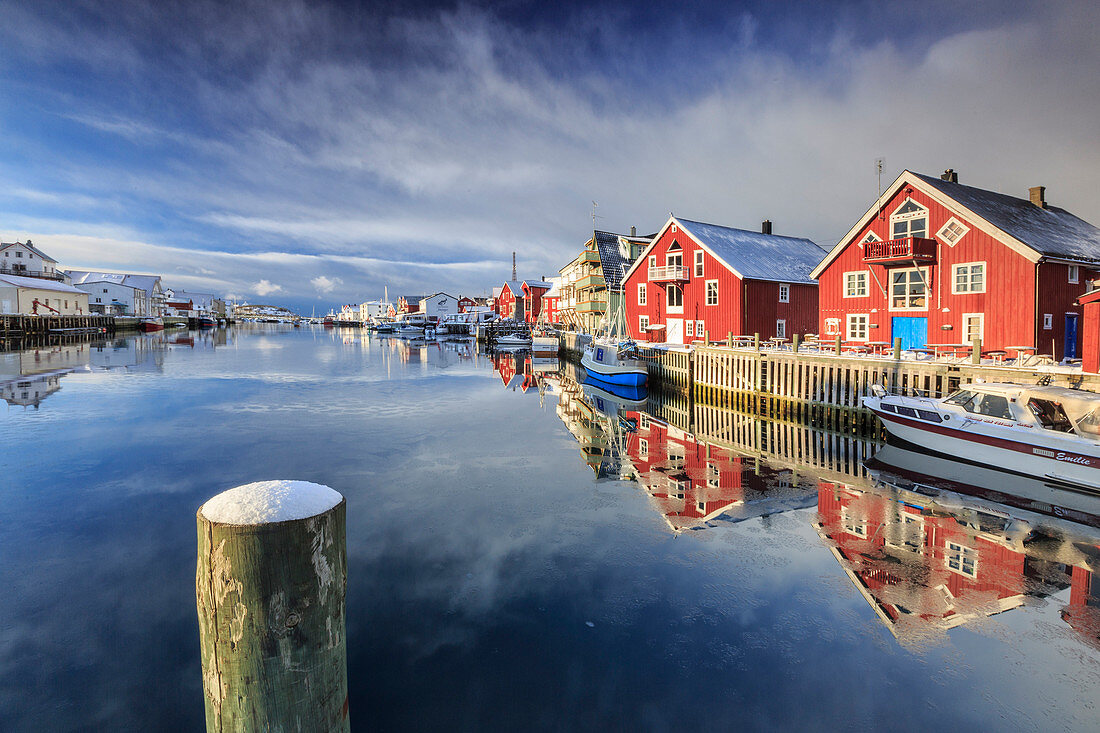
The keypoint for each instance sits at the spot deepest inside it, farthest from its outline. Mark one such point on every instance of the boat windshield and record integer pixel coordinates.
(1050, 415)
(991, 405)
(1089, 424)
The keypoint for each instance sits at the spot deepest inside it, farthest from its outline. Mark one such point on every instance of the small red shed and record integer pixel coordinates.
(697, 278)
(937, 263)
(1090, 331)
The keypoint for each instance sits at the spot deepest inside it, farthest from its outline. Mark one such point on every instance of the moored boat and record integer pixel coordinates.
(614, 362)
(514, 339)
(1046, 432)
(152, 324)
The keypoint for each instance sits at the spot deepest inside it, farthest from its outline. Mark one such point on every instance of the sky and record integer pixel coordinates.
(310, 154)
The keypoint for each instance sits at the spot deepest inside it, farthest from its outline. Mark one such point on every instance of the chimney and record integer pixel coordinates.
(633, 231)
(766, 226)
(1038, 196)
(950, 176)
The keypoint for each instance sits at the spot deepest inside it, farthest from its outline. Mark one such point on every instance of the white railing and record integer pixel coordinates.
(668, 272)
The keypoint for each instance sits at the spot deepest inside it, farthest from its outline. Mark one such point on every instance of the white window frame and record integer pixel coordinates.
(643, 324)
(955, 290)
(652, 263)
(1073, 274)
(689, 329)
(967, 338)
(781, 328)
(714, 477)
(1048, 321)
(853, 525)
(784, 293)
(923, 279)
(674, 308)
(954, 557)
(869, 238)
(643, 447)
(641, 294)
(863, 275)
(944, 234)
(850, 331)
(907, 217)
(644, 421)
(709, 283)
(699, 254)
(700, 331)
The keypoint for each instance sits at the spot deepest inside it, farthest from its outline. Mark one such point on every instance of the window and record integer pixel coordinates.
(643, 447)
(962, 560)
(652, 262)
(675, 298)
(698, 263)
(98, 300)
(909, 220)
(952, 231)
(968, 278)
(105, 290)
(871, 237)
(851, 524)
(784, 293)
(641, 293)
(857, 326)
(689, 329)
(1074, 274)
(973, 327)
(855, 284)
(712, 292)
(18, 254)
(643, 324)
(1048, 321)
(699, 332)
(674, 259)
(713, 476)
(644, 421)
(781, 329)
(907, 290)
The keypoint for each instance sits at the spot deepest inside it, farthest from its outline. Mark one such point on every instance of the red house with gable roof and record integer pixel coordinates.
(697, 278)
(934, 262)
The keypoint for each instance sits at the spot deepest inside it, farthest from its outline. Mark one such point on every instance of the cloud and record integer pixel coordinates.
(324, 284)
(264, 288)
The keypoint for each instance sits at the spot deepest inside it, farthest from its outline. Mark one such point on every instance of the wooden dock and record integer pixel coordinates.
(24, 326)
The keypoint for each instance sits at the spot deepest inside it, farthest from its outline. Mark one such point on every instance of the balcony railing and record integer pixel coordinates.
(32, 273)
(900, 250)
(668, 272)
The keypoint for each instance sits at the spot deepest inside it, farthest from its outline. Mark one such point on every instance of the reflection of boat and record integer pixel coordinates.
(943, 473)
(207, 322)
(1041, 431)
(152, 324)
(630, 397)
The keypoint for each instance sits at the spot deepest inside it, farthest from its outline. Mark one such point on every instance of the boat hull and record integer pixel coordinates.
(1002, 447)
(624, 376)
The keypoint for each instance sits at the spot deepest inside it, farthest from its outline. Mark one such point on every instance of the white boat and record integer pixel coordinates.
(514, 339)
(612, 357)
(1046, 432)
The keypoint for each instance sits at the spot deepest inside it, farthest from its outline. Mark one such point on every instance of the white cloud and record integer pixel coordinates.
(325, 284)
(265, 287)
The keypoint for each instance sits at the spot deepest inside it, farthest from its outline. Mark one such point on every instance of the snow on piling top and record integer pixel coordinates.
(265, 502)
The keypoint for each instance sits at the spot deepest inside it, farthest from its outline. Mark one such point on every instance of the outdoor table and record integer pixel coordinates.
(1020, 350)
(998, 355)
(877, 346)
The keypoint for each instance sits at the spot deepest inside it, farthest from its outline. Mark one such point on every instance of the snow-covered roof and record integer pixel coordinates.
(31, 247)
(555, 288)
(541, 284)
(515, 287)
(144, 282)
(611, 259)
(1050, 231)
(37, 283)
(757, 256)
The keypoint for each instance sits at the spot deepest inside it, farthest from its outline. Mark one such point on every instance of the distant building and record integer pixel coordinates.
(508, 302)
(25, 260)
(373, 310)
(201, 303)
(40, 296)
(550, 302)
(465, 302)
(150, 302)
(439, 305)
(591, 285)
(114, 299)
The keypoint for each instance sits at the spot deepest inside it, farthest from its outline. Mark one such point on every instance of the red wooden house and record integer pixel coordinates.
(697, 278)
(465, 303)
(1090, 331)
(533, 290)
(509, 302)
(521, 300)
(934, 262)
(551, 302)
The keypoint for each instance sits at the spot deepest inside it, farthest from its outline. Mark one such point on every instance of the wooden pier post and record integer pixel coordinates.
(795, 341)
(976, 351)
(756, 341)
(838, 340)
(269, 585)
(897, 349)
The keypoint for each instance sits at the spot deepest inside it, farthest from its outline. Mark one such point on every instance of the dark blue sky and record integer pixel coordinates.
(312, 153)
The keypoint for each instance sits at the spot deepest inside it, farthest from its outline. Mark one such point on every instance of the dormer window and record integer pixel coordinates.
(909, 220)
(674, 245)
(871, 237)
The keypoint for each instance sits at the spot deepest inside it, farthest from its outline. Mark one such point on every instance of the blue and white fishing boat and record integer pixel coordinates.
(612, 357)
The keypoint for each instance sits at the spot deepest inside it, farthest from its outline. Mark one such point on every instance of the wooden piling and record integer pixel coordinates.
(269, 585)
(897, 349)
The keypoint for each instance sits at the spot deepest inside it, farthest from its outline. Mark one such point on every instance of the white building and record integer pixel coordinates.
(373, 310)
(149, 303)
(26, 260)
(37, 295)
(114, 299)
(439, 305)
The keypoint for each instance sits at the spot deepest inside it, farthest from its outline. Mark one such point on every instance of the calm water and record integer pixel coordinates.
(522, 554)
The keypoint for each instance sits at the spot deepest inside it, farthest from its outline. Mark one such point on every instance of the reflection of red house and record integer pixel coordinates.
(1083, 611)
(689, 481)
(514, 374)
(919, 571)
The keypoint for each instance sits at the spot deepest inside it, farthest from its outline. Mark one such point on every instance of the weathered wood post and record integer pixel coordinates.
(729, 339)
(756, 341)
(838, 345)
(795, 340)
(976, 351)
(269, 585)
(897, 349)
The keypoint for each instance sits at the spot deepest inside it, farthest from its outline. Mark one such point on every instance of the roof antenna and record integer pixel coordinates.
(879, 163)
(513, 266)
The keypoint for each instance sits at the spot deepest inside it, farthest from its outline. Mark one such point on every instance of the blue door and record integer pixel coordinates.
(913, 332)
(1071, 336)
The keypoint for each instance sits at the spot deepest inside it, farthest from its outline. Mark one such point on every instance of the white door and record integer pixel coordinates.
(675, 332)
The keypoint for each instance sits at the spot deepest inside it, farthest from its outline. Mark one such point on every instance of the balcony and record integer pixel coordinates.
(909, 249)
(589, 256)
(668, 273)
(32, 273)
(591, 281)
(591, 306)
